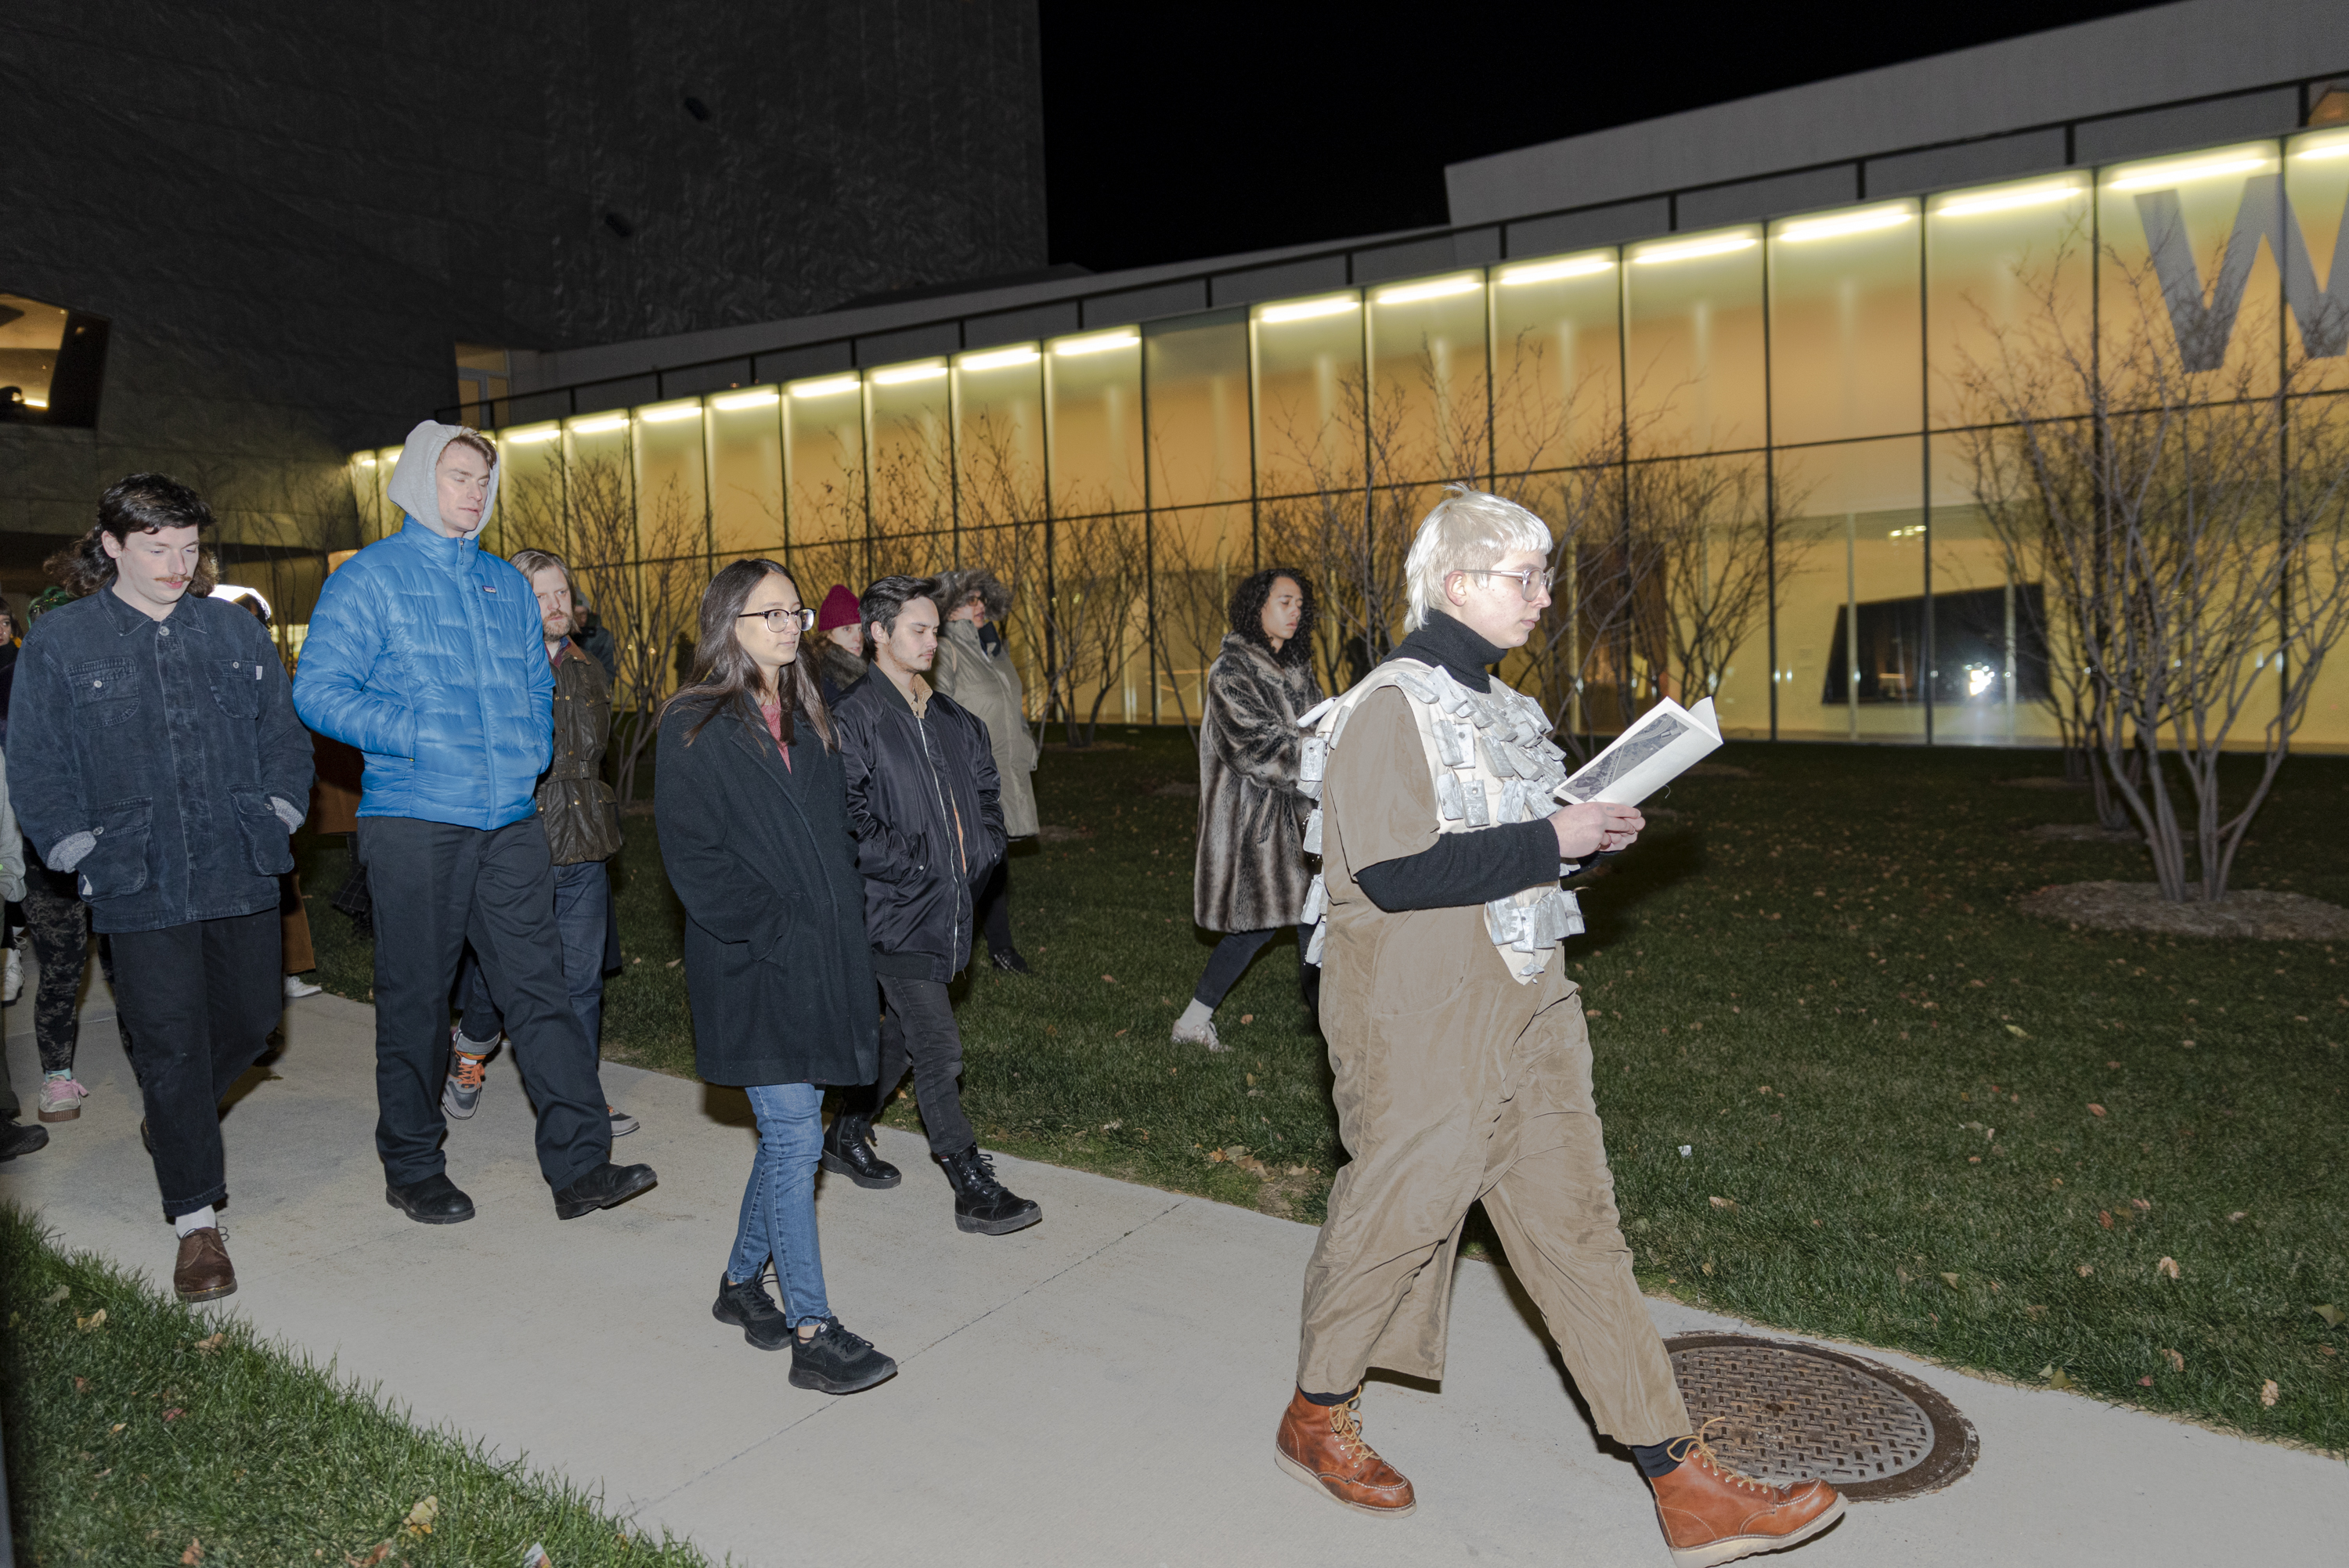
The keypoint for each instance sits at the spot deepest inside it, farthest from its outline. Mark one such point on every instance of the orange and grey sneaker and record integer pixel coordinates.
(461, 1095)
(1711, 1515)
(1322, 1446)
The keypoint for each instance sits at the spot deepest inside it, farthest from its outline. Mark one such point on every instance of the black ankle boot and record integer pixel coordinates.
(749, 1308)
(834, 1361)
(848, 1151)
(982, 1203)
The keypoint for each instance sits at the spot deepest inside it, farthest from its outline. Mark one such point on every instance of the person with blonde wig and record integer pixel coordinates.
(1461, 1056)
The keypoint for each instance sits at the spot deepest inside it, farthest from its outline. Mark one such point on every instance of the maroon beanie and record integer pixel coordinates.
(840, 609)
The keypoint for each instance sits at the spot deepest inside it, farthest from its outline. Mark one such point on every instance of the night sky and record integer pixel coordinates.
(1178, 131)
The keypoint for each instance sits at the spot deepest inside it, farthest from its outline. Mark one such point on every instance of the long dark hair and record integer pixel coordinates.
(1248, 614)
(724, 677)
(137, 503)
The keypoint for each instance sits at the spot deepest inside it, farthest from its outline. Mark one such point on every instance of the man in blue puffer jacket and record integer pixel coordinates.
(426, 655)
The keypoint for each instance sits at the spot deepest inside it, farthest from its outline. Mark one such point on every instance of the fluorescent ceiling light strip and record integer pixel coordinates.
(2336, 148)
(2043, 194)
(669, 414)
(1867, 221)
(736, 401)
(600, 426)
(528, 437)
(1305, 310)
(1442, 288)
(1097, 343)
(830, 386)
(905, 373)
(1000, 359)
(1550, 271)
(1692, 250)
(2196, 169)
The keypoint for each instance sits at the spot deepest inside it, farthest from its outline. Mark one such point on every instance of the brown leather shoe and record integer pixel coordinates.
(1711, 1514)
(203, 1271)
(1321, 1445)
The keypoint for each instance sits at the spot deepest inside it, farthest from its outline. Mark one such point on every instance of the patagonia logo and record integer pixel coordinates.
(486, 588)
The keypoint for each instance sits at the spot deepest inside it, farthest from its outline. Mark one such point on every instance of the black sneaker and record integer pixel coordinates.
(749, 1308)
(601, 1188)
(982, 1203)
(1010, 962)
(848, 1151)
(18, 1138)
(835, 1361)
(435, 1200)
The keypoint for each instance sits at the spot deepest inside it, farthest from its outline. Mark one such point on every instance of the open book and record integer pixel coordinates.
(1663, 743)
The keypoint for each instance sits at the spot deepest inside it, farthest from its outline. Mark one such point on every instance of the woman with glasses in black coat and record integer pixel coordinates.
(754, 835)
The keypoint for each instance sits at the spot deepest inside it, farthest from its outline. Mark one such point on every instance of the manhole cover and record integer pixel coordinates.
(1797, 1412)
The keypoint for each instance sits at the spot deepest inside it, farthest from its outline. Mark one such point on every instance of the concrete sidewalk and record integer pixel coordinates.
(1099, 1389)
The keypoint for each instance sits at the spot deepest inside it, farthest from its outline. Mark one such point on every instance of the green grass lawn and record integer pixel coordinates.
(138, 1433)
(1815, 980)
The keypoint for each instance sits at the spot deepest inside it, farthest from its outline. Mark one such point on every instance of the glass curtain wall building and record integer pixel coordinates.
(1758, 445)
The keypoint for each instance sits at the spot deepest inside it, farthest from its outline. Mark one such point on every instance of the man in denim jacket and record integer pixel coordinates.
(158, 760)
(426, 655)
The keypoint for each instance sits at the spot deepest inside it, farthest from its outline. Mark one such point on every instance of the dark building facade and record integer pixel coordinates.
(294, 226)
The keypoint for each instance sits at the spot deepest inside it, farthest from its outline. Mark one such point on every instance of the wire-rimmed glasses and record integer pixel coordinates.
(1532, 582)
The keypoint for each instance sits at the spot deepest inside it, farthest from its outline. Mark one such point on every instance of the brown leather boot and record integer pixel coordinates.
(1321, 1445)
(203, 1271)
(1711, 1514)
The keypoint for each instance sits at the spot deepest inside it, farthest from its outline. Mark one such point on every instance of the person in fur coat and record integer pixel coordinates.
(1252, 875)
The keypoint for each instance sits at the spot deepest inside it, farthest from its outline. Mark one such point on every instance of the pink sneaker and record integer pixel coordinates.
(61, 1098)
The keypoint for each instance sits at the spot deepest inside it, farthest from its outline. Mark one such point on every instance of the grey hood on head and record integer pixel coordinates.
(415, 488)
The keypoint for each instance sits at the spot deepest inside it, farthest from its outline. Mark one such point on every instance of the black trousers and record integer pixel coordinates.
(201, 1000)
(1233, 954)
(924, 1039)
(435, 887)
(991, 907)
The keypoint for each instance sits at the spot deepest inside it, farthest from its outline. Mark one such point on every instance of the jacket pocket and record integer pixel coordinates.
(103, 694)
(117, 864)
(236, 686)
(265, 836)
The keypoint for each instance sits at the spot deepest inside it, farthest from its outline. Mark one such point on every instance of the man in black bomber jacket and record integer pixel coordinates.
(922, 803)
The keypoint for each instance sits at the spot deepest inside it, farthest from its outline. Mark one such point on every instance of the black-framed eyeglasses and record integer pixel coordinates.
(781, 621)
(1532, 582)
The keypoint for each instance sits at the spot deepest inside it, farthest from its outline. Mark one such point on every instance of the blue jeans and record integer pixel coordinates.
(779, 1204)
(583, 892)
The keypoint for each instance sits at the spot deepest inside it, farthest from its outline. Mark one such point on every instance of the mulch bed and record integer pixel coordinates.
(2139, 906)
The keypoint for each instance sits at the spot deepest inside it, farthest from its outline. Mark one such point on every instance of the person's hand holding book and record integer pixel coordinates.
(1595, 826)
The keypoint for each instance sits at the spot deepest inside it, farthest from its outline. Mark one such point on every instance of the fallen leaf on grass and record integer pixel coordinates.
(173, 1414)
(2238, 1214)
(419, 1518)
(1951, 1280)
(2177, 1362)
(2269, 1393)
(2095, 1109)
(1248, 1018)
(2105, 1218)
(536, 1557)
(1727, 1205)
(2330, 1313)
(673, 962)
(56, 1296)
(1109, 979)
(382, 1551)
(211, 1342)
(2035, 1313)
(95, 1320)
(2145, 1382)
(2167, 1266)
(116, 1427)
(81, 1384)
(2141, 1206)
(1120, 1032)
(2085, 1271)
(2057, 1376)
(2018, 1031)
(195, 1551)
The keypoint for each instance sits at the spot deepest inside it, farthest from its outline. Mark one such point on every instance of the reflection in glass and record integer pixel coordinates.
(1846, 340)
(1557, 380)
(1428, 417)
(1694, 311)
(1196, 368)
(1308, 397)
(1851, 531)
(746, 472)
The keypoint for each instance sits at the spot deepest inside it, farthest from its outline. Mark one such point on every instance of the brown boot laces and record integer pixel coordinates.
(1694, 1446)
(469, 1069)
(1347, 1428)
